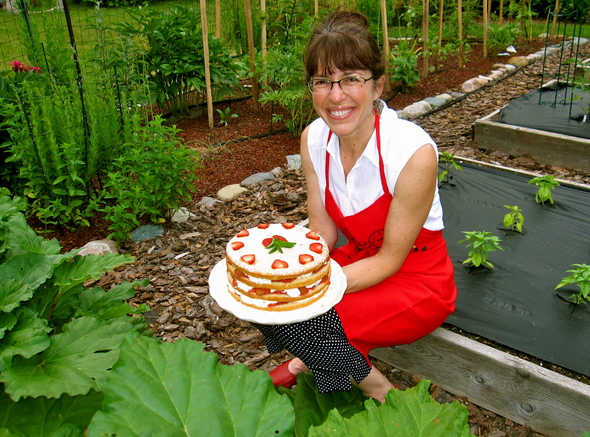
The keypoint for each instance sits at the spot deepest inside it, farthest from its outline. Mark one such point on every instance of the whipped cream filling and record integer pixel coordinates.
(291, 292)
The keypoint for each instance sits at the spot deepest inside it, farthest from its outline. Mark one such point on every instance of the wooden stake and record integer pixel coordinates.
(386, 49)
(485, 28)
(441, 7)
(460, 31)
(252, 53)
(425, 54)
(218, 18)
(205, 30)
(263, 29)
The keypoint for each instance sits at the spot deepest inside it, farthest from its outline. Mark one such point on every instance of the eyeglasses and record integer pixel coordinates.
(347, 84)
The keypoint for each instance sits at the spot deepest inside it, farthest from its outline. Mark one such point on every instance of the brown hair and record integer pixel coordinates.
(343, 42)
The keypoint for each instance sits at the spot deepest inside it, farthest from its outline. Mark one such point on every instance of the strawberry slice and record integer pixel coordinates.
(237, 245)
(243, 233)
(266, 242)
(279, 237)
(249, 259)
(305, 258)
(263, 226)
(288, 225)
(312, 235)
(304, 291)
(279, 264)
(316, 247)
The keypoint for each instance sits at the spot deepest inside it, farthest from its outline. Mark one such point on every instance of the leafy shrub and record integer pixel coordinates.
(283, 72)
(500, 37)
(151, 177)
(404, 63)
(173, 58)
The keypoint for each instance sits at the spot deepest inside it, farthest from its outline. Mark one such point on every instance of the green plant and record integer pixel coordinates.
(450, 162)
(481, 243)
(59, 338)
(151, 177)
(500, 37)
(581, 277)
(546, 185)
(171, 48)
(514, 220)
(225, 115)
(404, 63)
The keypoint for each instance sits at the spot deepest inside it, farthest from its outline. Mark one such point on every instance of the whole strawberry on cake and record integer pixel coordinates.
(277, 267)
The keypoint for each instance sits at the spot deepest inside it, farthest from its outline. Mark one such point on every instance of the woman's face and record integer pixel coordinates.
(348, 111)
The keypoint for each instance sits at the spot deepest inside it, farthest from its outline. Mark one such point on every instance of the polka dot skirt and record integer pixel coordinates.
(322, 345)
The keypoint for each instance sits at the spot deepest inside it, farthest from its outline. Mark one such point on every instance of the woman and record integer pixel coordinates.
(374, 178)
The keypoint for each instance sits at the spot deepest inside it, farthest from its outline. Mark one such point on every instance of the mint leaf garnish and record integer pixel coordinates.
(279, 245)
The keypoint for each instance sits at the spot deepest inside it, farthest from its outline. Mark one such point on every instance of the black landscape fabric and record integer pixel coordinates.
(559, 110)
(516, 303)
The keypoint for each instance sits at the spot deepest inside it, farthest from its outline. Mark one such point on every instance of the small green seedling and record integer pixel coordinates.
(580, 276)
(481, 244)
(450, 162)
(225, 115)
(546, 185)
(514, 220)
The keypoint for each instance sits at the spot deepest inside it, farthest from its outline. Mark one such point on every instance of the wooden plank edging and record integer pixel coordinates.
(548, 402)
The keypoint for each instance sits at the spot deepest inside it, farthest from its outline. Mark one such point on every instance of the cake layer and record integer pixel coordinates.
(295, 251)
(276, 306)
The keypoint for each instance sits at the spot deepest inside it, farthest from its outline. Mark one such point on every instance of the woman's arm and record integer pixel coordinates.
(319, 220)
(414, 192)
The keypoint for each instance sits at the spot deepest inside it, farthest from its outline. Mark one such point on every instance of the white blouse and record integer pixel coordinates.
(399, 141)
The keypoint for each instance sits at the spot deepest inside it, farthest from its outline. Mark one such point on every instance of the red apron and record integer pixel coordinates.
(406, 306)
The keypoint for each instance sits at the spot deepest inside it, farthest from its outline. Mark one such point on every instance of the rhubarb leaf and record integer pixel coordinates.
(43, 417)
(410, 413)
(77, 360)
(176, 389)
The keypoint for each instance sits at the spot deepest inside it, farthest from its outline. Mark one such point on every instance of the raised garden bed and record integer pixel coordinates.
(539, 124)
(515, 304)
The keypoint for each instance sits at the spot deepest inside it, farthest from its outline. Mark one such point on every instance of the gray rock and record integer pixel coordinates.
(294, 162)
(147, 232)
(257, 178)
(182, 215)
(417, 109)
(207, 201)
(445, 96)
(98, 247)
(230, 192)
(435, 102)
(473, 84)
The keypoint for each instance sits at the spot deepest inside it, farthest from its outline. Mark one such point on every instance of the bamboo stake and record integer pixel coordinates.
(555, 13)
(425, 55)
(205, 30)
(460, 31)
(386, 50)
(485, 28)
(501, 14)
(441, 7)
(263, 30)
(218, 18)
(251, 51)
(316, 7)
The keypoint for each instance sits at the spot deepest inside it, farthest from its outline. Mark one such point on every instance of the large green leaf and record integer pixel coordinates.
(77, 361)
(410, 413)
(68, 275)
(312, 407)
(22, 238)
(109, 304)
(30, 268)
(12, 293)
(26, 338)
(43, 417)
(178, 390)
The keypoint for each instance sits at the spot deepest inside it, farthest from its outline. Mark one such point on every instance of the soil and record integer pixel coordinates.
(179, 263)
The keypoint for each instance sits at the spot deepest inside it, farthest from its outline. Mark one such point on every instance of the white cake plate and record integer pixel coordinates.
(219, 291)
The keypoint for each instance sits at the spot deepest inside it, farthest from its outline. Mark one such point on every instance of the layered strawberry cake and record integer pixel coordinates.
(277, 267)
